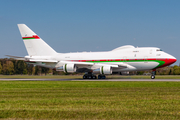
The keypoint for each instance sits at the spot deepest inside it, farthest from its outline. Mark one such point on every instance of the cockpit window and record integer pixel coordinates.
(159, 50)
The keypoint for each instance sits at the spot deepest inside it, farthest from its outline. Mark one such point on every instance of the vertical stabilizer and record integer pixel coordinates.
(35, 46)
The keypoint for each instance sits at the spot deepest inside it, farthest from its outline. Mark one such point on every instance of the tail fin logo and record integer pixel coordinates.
(33, 37)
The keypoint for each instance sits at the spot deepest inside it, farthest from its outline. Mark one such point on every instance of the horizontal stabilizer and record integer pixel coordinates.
(51, 61)
(16, 57)
(31, 60)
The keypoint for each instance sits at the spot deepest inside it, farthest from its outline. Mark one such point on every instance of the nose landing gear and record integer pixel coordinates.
(153, 74)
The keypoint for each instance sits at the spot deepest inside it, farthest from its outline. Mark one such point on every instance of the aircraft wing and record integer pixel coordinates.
(82, 66)
(90, 66)
(61, 63)
(95, 65)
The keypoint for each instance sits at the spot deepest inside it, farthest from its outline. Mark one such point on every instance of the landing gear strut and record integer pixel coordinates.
(89, 75)
(153, 74)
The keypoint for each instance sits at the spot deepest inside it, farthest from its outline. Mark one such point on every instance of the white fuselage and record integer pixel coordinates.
(145, 58)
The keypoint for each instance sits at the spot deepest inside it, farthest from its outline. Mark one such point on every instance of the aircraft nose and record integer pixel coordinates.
(169, 60)
(172, 60)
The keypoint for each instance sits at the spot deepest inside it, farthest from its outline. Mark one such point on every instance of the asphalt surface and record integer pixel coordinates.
(153, 80)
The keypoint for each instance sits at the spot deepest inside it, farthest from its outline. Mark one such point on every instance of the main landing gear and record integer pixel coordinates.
(101, 77)
(153, 74)
(89, 75)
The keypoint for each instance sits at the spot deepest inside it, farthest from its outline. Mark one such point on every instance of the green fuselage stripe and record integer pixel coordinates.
(159, 61)
(27, 38)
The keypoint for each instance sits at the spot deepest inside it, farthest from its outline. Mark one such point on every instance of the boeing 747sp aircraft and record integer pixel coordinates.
(121, 59)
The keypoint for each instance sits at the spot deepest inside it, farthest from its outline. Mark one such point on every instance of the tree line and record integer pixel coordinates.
(9, 66)
(168, 70)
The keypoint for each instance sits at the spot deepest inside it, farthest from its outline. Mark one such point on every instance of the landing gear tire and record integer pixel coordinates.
(94, 77)
(101, 77)
(89, 77)
(152, 76)
(84, 77)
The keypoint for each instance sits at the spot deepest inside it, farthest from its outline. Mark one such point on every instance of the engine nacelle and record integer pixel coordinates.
(69, 68)
(105, 70)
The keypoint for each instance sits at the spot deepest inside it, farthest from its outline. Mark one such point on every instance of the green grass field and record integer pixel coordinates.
(80, 76)
(89, 100)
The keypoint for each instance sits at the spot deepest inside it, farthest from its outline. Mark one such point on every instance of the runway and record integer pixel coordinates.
(152, 80)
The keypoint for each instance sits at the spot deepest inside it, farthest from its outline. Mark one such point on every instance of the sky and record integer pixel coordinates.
(91, 25)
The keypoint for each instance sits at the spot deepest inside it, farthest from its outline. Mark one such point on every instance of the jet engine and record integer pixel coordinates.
(105, 70)
(69, 68)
